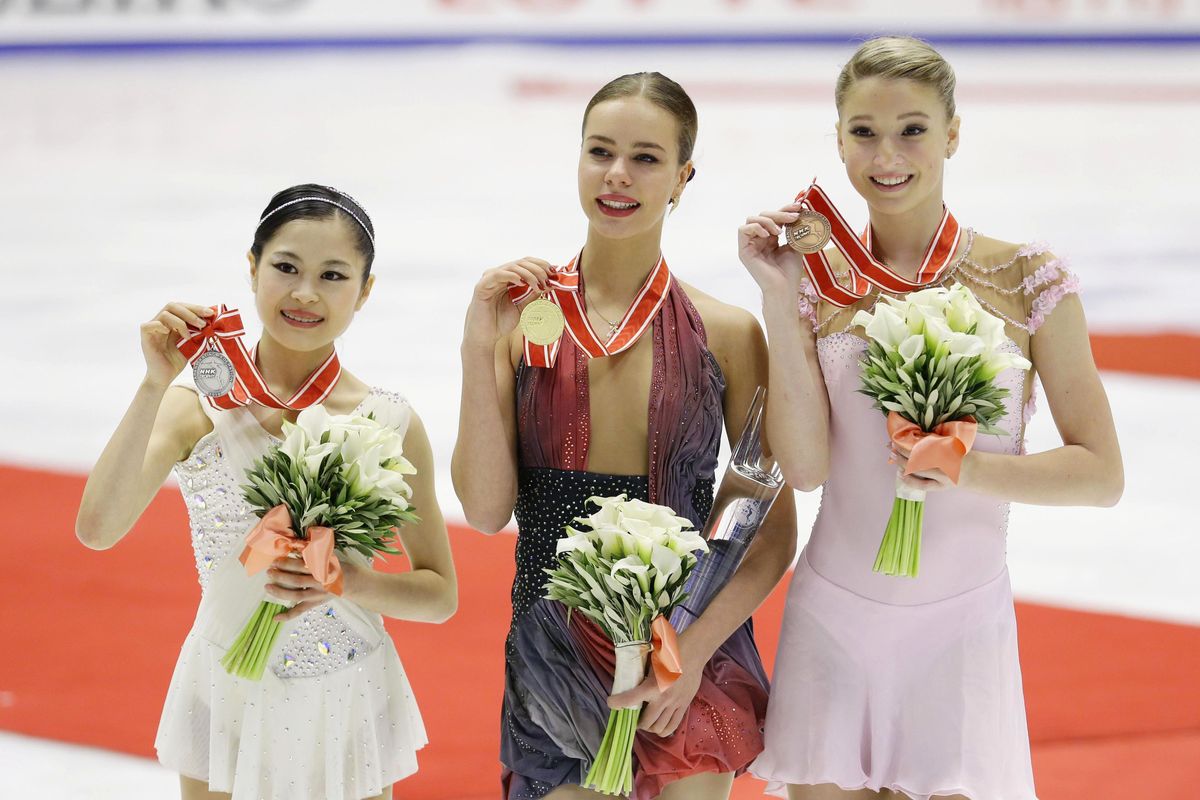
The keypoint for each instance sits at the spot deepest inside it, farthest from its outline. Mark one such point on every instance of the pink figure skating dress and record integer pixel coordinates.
(909, 684)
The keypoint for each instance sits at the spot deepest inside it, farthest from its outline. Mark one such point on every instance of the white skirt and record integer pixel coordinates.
(924, 700)
(344, 735)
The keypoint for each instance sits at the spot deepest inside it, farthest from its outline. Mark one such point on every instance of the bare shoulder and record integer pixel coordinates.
(388, 407)
(182, 421)
(991, 250)
(416, 444)
(348, 394)
(725, 323)
(734, 335)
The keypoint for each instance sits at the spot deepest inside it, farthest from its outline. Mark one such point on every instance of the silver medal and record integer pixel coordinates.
(213, 373)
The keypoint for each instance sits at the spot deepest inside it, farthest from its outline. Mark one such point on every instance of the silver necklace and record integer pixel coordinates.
(612, 326)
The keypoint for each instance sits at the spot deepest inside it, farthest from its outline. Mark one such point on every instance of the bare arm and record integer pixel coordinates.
(798, 410)
(160, 427)
(773, 548)
(428, 592)
(1087, 469)
(745, 366)
(484, 465)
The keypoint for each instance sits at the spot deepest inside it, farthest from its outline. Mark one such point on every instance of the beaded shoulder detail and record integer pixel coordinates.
(1022, 290)
(1035, 275)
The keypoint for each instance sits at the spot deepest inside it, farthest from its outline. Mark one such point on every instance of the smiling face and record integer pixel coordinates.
(629, 166)
(894, 136)
(309, 282)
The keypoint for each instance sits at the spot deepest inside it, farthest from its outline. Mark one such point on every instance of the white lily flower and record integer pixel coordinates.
(314, 420)
(658, 516)
(990, 329)
(963, 345)
(666, 562)
(935, 299)
(636, 568)
(937, 336)
(579, 541)
(295, 442)
(688, 542)
(962, 311)
(885, 326)
(314, 454)
(997, 362)
(911, 348)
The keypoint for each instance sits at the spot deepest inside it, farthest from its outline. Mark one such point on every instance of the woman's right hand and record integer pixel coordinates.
(775, 267)
(492, 315)
(161, 335)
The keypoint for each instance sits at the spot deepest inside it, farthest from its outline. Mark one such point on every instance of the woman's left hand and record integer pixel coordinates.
(289, 581)
(664, 711)
(930, 480)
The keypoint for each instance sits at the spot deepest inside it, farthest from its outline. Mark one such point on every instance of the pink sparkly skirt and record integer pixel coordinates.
(925, 700)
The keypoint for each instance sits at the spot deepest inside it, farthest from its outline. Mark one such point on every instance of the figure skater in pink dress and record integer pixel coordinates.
(911, 687)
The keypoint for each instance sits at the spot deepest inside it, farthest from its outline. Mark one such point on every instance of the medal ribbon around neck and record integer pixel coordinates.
(564, 293)
(865, 269)
(223, 333)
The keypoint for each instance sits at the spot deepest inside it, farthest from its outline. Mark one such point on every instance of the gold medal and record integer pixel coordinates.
(809, 233)
(542, 322)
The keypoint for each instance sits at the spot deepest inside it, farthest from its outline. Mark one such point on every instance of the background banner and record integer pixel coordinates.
(103, 22)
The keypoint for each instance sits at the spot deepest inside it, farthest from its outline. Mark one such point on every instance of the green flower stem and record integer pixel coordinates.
(248, 655)
(900, 551)
(612, 770)
(268, 631)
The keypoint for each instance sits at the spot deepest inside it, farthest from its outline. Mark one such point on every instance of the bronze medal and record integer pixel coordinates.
(542, 322)
(809, 233)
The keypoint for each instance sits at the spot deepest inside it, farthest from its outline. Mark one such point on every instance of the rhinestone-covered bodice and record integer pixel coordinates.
(320, 641)
(218, 514)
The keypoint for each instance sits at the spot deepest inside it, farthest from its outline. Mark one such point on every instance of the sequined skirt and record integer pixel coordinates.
(558, 672)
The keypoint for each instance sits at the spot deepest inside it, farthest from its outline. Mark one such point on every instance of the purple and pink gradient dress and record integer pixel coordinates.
(558, 673)
(909, 684)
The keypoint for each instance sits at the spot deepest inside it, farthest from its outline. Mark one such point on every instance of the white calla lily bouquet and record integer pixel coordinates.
(931, 367)
(626, 574)
(333, 483)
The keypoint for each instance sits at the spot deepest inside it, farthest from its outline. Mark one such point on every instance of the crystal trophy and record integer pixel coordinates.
(748, 489)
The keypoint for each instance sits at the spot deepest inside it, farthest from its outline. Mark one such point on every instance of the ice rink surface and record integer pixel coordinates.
(132, 180)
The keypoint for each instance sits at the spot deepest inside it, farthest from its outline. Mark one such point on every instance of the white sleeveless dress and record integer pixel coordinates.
(334, 716)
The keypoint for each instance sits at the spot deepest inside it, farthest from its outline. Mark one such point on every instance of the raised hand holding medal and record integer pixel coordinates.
(160, 337)
(811, 231)
(542, 322)
(228, 375)
(820, 220)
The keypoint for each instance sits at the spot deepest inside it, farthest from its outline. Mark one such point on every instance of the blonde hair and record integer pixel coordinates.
(898, 57)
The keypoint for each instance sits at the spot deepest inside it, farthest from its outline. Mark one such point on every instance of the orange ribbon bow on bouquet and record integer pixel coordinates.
(668, 666)
(274, 538)
(943, 448)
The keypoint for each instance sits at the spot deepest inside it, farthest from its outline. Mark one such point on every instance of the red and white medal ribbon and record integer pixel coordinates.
(564, 293)
(223, 333)
(865, 269)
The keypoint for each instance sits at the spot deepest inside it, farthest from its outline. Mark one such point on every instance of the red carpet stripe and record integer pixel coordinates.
(1114, 705)
(1171, 354)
